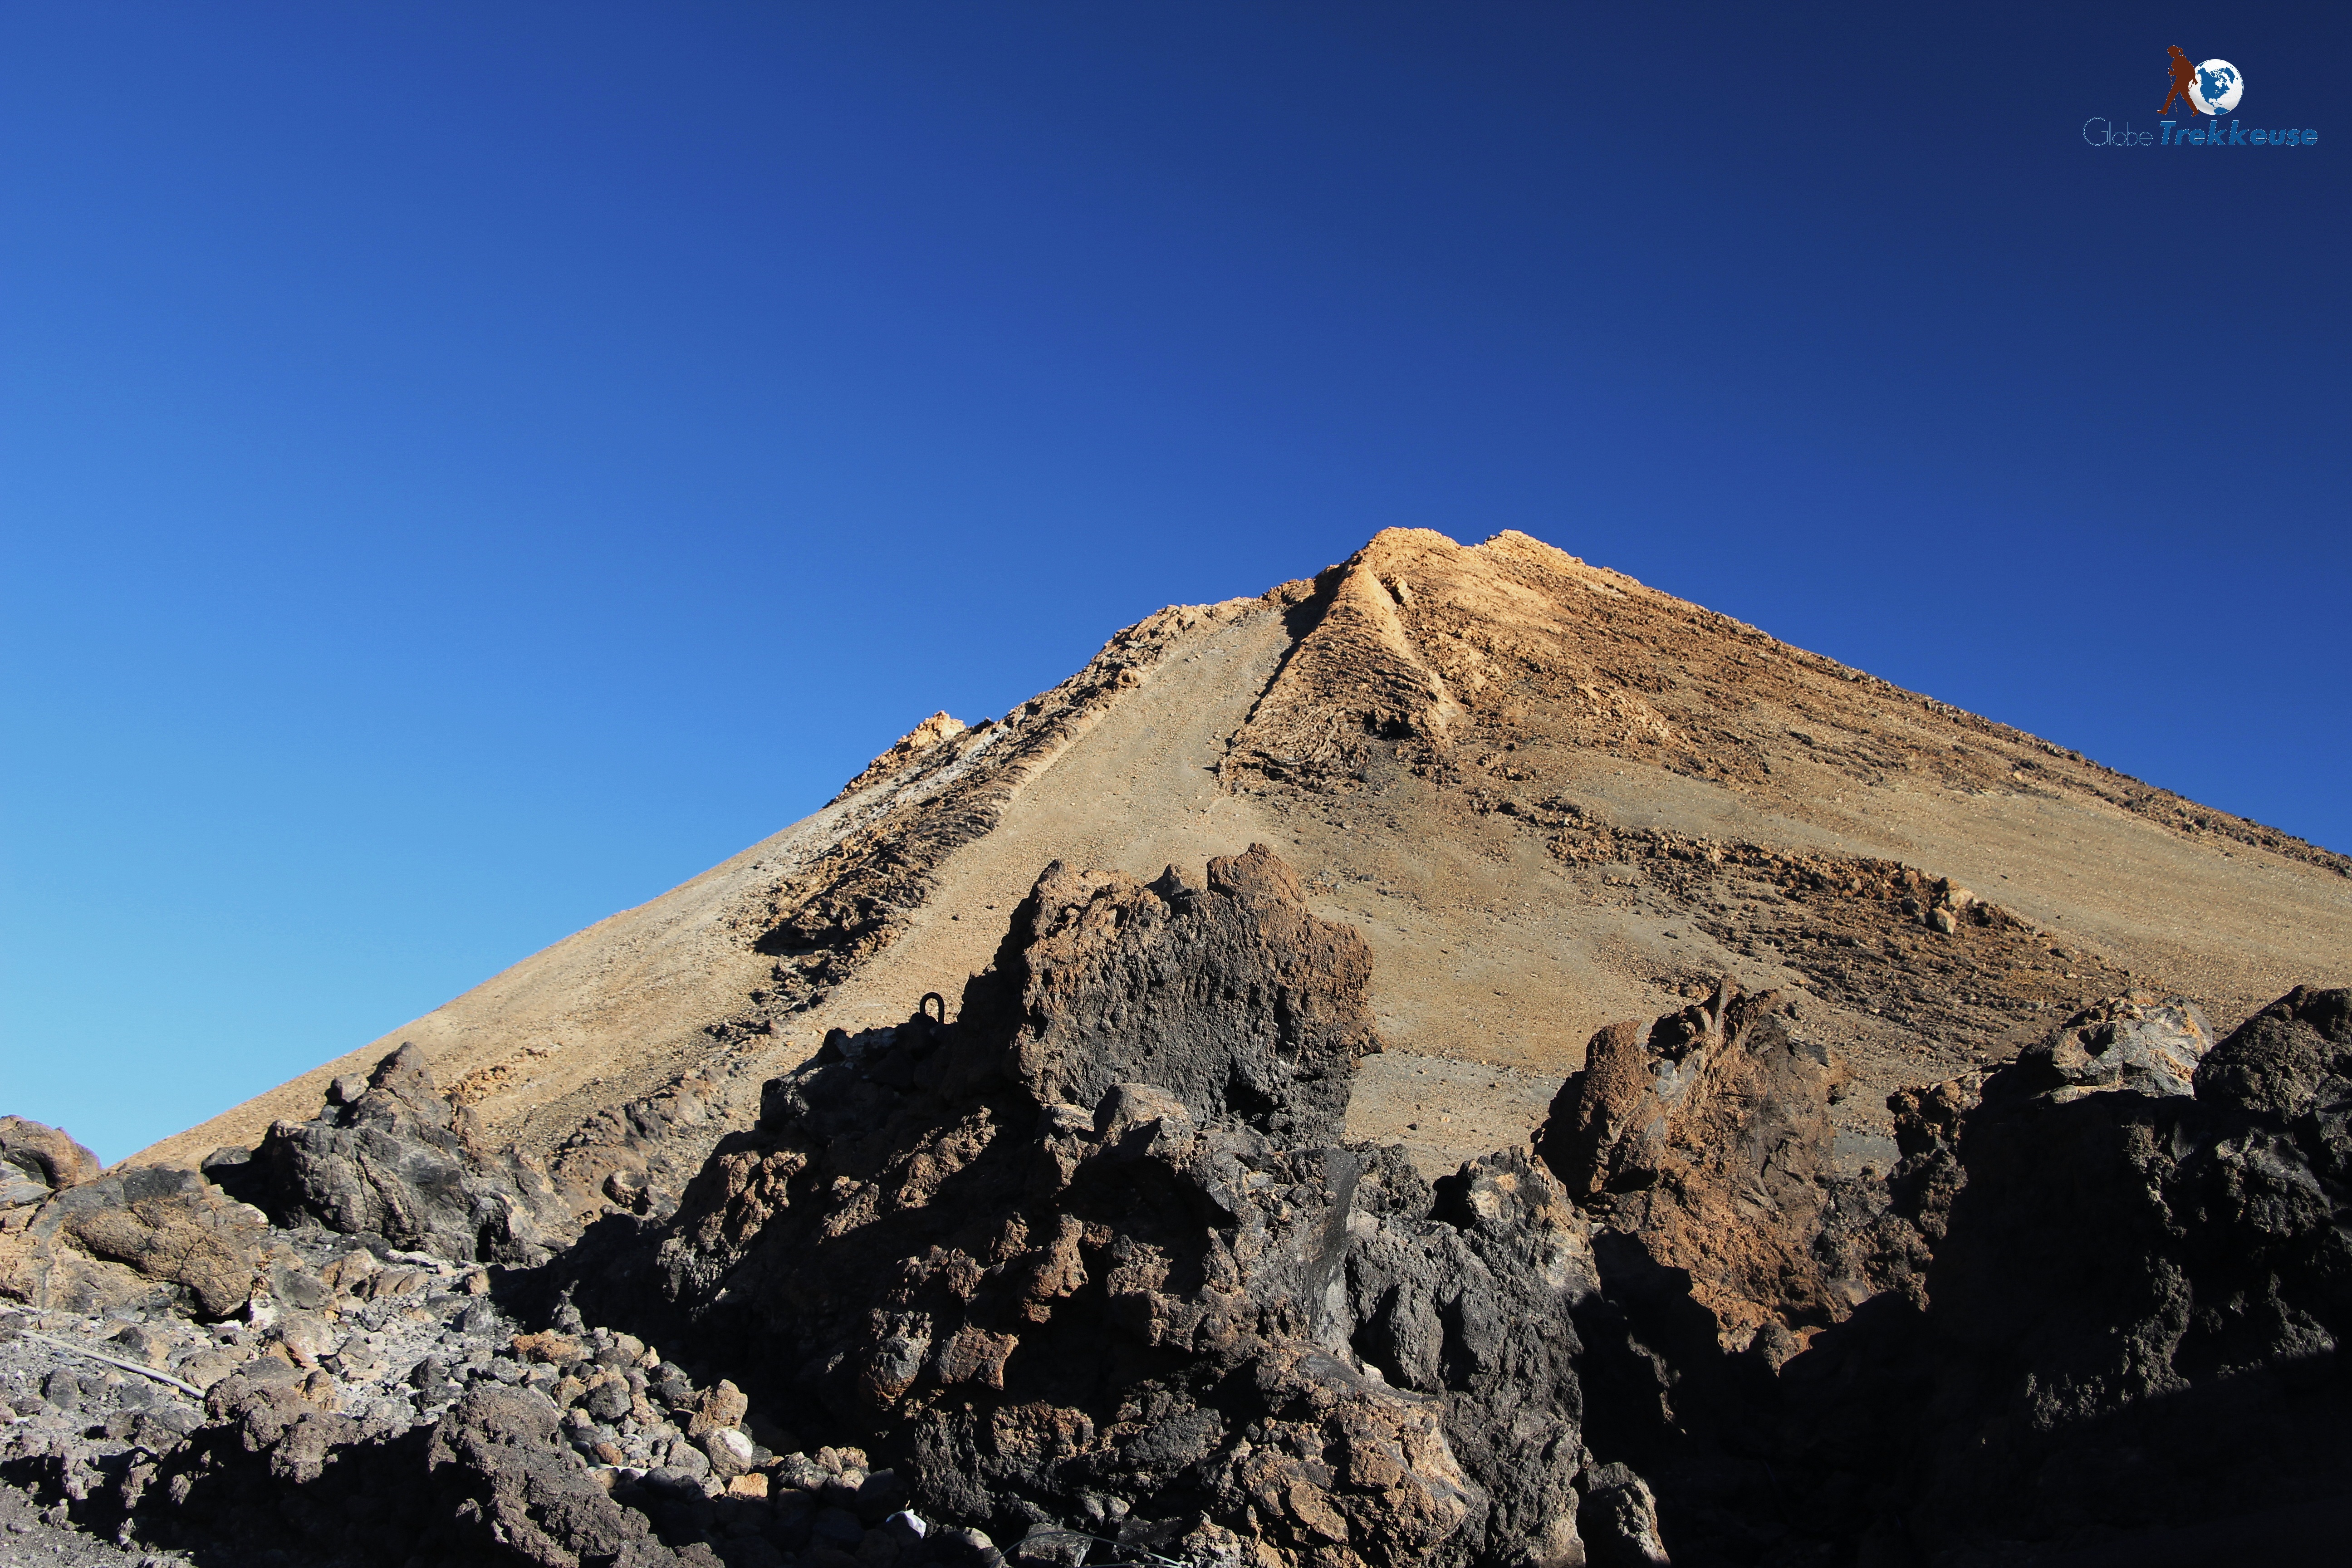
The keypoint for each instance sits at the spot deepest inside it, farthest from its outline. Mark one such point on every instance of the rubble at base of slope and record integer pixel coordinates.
(1088, 1275)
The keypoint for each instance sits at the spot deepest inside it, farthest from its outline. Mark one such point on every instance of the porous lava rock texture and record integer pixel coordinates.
(1093, 1258)
(274, 1475)
(2093, 1314)
(393, 1158)
(2138, 1308)
(1707, 1134)
(75, 1238)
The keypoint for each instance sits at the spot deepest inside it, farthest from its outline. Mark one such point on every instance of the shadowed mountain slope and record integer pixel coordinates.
(1547, 795)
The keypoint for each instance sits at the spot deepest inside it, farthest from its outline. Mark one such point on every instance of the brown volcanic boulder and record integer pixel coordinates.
(171, 1226)
(1092, 1259)
(1708, 1136)
(398, 1160)
(35, 1161)
(142, 1235)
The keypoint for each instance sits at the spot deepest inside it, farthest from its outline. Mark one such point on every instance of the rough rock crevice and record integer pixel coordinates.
(1093, 1257)
(394, 1157)
(2097, 1302)
(1090, 1272)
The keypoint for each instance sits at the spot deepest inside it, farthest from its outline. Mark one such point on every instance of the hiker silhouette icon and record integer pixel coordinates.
(2184, 77)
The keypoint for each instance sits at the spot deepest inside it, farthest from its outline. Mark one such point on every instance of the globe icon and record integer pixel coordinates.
(2217, 87)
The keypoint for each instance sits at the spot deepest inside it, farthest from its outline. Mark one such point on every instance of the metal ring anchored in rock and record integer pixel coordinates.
(923, 1007)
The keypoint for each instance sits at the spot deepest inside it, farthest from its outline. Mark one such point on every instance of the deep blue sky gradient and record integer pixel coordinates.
(465, 468)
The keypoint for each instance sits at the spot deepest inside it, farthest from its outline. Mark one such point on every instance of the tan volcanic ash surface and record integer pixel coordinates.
(1548, 797)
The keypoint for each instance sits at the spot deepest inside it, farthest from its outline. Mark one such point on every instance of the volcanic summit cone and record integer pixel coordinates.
(1546, 795)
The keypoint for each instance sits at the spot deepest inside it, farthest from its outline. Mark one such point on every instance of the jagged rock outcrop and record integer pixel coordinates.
(1091, 1270)
(2110, 1288)
(1092, 1257)
(2139, 1307)
(395, 1159)
(78, 1239)
(1706, 1136)
(2138, 1041)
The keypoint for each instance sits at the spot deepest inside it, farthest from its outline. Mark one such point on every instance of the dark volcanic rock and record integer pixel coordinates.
(2139, 1305)
(1091, 1257)
(493, 1481)
(1235, 1000)
(401, 1163)
(498, 1465)
(1091, 1271)
(2111, 1310)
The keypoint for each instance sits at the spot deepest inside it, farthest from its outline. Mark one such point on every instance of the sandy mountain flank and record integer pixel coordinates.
(1547, 797)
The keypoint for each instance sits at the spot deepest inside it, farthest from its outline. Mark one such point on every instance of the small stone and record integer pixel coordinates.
(608, 1401)
(1049, 1546)
(748, 1486)
(555, 1350)
(726, 1458)
(685, 1457)
(349, 1274)
(723, 1407)
(800, 1472)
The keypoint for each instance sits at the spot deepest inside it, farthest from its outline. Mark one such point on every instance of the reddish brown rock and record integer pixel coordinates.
(1708, 1135)
(44, 1154)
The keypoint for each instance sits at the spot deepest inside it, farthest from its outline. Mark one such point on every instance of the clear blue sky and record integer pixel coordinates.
(465, 468)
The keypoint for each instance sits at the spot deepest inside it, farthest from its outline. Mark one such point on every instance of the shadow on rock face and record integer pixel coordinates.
(1093, 1257)
(1092, 1268)
(2110, 1287)
(2139, 1305)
